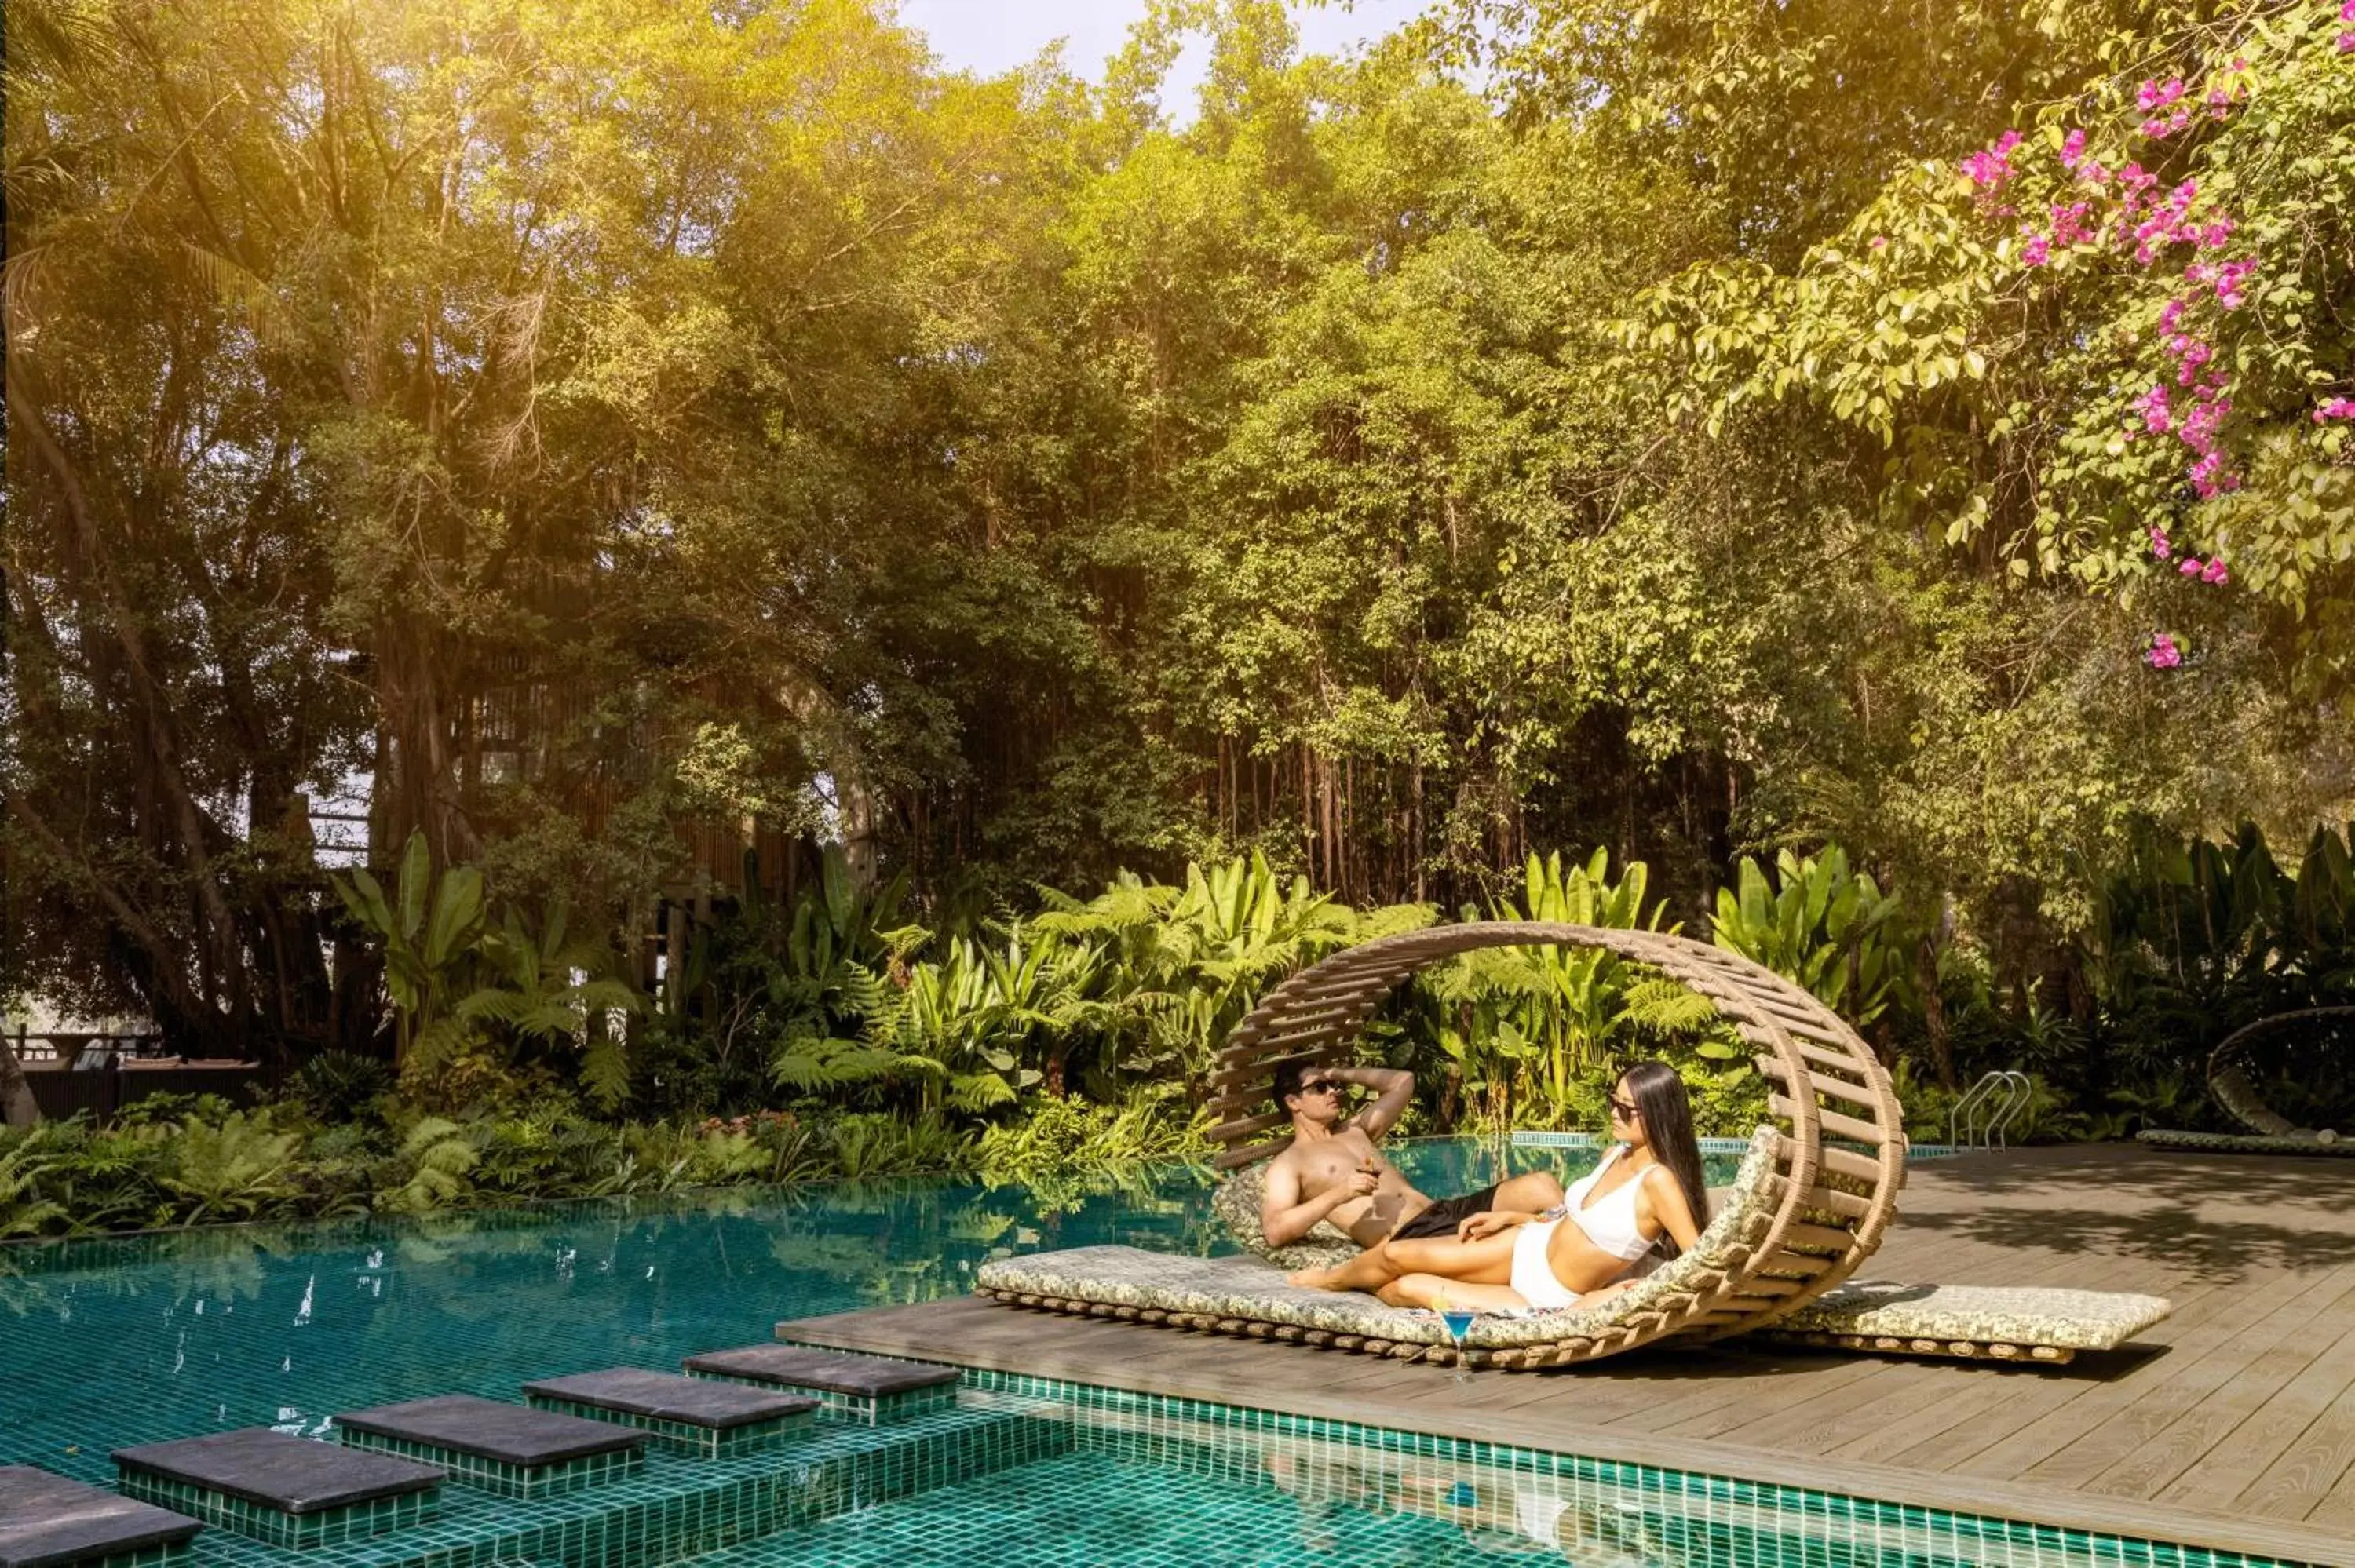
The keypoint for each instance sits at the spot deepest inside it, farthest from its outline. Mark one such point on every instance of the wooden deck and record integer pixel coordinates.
(2231, 1424)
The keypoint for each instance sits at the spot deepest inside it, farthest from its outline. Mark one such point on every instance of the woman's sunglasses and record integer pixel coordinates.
(1624, 1110)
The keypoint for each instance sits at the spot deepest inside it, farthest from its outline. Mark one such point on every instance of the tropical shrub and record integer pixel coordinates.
(1821, 924)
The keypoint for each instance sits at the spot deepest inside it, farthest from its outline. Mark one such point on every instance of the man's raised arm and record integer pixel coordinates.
(1392, 1087)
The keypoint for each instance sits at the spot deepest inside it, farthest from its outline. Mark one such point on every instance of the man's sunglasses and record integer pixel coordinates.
(1321, 1085)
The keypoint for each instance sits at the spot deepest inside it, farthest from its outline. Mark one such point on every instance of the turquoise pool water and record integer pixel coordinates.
(138, 1340)
(143, 1339)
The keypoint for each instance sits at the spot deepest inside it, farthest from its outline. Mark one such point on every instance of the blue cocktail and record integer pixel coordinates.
(1458, 1322)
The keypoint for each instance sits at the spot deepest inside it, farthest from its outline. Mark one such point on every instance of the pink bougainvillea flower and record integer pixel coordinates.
(2338, 407)
(2347, 42)
(2161, 547)
(1992, 165)
(2215, 573)
(2208, 479)
(2072, 149)
(2192, 566)
(2230, 278)
(2157, 417)
(2163, 654)
(1879, 242)
(2036, 252)
(2153, 95)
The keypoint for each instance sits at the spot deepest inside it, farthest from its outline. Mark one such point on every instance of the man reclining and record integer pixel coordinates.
(1334, 1172)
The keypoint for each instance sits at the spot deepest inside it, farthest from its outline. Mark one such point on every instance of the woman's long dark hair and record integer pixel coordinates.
(1660, 1097)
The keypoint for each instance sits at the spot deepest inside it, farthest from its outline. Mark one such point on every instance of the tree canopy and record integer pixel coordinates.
(613, 429)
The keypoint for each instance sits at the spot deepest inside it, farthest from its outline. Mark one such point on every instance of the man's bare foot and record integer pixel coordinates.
(1312, 1278)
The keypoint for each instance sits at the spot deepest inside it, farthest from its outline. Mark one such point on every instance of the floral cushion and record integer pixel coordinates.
(1237, 1203)
(1981, 1314)
(2325, 1143)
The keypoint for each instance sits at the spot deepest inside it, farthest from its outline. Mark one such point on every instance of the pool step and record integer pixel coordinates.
(510, 1449)
(869, 1389)
(49, 1520)
(698, 1415)
(279, 1489)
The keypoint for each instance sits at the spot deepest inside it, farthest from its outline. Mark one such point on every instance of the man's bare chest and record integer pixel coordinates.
(1328, 1167)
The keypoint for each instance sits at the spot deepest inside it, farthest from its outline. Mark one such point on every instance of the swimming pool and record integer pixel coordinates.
(145, 1338)
(142, 1339)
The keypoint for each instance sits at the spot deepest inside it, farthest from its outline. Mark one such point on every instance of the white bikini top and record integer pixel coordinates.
(1611, 1224)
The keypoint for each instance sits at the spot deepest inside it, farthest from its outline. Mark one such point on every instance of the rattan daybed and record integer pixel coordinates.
(2229, 1085)
(1816, 1189)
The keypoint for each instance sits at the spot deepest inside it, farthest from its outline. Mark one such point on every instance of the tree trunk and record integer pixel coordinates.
(1933, 1014)
(16, 1093)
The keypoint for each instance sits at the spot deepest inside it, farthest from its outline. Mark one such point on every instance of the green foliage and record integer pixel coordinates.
(2199, 938)
(1534, 1036)
(547, 991)
(1822, 925)
(232, 1168)
(1187, 963)
(428, 929)
(1342, 497)
(22, 1212)
(1063, 1137)
(438, 1156)
(336, 1085)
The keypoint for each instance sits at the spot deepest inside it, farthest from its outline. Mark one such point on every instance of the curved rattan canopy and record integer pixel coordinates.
(1840, 1161)
(2229, 1083)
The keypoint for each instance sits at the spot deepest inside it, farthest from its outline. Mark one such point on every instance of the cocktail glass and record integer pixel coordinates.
(1458, 1322)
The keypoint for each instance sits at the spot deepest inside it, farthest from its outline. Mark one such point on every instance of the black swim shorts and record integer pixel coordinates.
(1444, 1215)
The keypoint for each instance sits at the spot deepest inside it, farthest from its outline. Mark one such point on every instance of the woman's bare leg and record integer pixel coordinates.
(1431, 1290)
(1369, 1270)
(1489, 1261)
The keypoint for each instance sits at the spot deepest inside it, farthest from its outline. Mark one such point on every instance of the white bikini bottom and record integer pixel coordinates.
(1532, 1274)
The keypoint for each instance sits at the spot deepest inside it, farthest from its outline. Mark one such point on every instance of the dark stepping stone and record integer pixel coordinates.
(48, 1521)
(507, 1449)
(285, 1490)
(863, 1388)
(696, 1414)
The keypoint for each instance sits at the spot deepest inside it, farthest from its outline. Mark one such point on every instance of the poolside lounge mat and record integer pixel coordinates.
(2247, 1143)
(2000, 1322)
(1245, 1296)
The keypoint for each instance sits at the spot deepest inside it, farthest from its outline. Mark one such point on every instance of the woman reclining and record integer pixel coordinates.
(1645, 1195)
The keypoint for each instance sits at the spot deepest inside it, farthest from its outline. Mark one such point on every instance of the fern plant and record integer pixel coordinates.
(24, 1212)
(235, 1167)
(438, 1155)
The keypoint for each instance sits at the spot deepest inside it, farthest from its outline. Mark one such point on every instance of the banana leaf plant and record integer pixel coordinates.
(1539, 1020)
(429, 927)
(1822, 925)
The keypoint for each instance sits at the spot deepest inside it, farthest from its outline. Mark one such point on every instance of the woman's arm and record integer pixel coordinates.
(1661, 1206)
